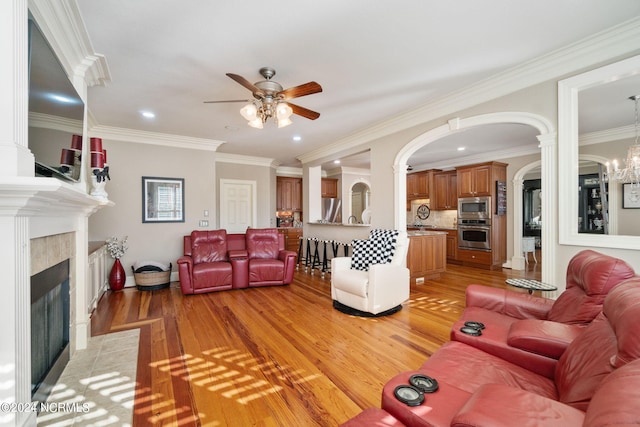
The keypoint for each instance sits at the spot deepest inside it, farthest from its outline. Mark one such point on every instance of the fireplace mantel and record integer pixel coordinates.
(45, 197)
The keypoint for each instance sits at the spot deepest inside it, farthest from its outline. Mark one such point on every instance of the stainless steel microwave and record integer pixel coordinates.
(474, 207)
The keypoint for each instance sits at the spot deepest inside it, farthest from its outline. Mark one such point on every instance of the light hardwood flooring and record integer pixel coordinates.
(277, 356)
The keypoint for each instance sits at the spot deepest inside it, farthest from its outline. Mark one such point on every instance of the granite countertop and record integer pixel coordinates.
(425, 233)
(339, 224)
(428, 227)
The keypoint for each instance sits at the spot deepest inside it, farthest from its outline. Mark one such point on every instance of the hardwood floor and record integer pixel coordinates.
(277, 356)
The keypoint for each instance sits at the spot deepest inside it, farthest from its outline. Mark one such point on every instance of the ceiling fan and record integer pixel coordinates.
(271, 100)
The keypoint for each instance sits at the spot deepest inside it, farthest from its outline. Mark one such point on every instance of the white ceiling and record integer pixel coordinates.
(374, 60)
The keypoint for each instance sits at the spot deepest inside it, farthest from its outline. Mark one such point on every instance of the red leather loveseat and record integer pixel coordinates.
(596, 381)
(214, 260)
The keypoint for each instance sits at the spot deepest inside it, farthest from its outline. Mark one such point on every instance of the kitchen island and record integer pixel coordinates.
(427, 257)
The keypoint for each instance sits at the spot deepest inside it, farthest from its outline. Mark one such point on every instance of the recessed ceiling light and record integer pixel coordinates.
(337, 162)
(62, 99)
(148, 114)
(297, 138)
(461, 148)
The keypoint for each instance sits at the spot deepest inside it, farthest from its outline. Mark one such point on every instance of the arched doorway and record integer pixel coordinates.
(546, 137)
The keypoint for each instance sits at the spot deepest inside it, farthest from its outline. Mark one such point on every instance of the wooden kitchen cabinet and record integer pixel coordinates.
(445, 191)
(427, 256)
(418, 185)
(288, 194)
(329, 187)
(291, 238)
(452, 244)
(479, 180)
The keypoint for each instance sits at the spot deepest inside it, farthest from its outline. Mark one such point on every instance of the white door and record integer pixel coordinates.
(237, 205)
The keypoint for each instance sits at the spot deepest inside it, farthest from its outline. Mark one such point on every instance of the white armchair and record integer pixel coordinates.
(377, 292)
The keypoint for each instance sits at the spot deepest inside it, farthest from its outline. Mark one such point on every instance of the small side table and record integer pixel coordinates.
(531, 285)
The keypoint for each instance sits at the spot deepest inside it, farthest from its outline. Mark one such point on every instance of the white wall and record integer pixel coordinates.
(162, 242)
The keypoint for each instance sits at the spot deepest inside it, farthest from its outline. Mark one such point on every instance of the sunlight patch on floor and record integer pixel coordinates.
(97, 387)
(436, 304)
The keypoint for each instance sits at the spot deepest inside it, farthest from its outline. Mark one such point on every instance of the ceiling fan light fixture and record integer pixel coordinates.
(284, 122)
(256, 123)
(283, 111)
(270, 100)
(249, 112)
(283, 114)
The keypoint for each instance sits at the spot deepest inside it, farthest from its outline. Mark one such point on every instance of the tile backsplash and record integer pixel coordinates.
(443, 219)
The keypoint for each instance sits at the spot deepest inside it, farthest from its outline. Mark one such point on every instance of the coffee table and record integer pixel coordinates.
(531, 285)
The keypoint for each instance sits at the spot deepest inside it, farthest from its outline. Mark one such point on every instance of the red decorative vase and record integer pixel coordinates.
(117, 276)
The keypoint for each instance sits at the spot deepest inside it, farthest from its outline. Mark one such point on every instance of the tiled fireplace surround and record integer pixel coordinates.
(50, 250)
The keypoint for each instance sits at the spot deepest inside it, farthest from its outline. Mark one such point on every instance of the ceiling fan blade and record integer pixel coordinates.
(231, 100)
(304, 112)
(301, 90)
(246, 83)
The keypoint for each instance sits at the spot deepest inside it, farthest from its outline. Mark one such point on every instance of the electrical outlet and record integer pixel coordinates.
(204, 223)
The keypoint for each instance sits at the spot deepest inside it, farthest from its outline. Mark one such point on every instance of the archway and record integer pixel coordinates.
(359, 201)
(547, 139)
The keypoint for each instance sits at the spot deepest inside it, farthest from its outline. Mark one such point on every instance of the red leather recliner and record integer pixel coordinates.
(532, 331)
(205, 265)
(268, 261)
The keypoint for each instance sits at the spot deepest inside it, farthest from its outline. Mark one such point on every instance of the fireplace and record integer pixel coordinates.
(50, 308)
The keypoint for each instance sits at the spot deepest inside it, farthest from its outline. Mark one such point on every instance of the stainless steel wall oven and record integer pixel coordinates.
(474, 234)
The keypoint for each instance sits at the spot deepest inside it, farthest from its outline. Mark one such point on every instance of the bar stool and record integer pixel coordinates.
(529, 245)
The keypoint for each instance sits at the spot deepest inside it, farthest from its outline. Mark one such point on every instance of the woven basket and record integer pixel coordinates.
(152, 280)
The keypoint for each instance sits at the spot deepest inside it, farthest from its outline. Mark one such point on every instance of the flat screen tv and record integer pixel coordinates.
(56, 112)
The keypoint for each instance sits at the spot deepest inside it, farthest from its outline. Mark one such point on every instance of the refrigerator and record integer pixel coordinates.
(331, 210)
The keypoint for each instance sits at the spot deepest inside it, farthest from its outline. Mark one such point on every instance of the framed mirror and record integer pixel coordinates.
(162, 199)
(595, 123)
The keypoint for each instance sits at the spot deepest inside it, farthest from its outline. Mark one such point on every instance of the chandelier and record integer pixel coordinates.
(630, 173)
(258, 111)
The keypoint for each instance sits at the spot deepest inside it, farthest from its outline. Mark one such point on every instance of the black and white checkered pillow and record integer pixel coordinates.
(391, 235)
(370, 251)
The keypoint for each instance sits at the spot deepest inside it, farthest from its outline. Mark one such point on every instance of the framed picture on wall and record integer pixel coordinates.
(162, 199)
(630, 196)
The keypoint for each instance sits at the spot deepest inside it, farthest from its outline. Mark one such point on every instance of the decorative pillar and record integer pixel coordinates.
(549, 234)
(15, 161)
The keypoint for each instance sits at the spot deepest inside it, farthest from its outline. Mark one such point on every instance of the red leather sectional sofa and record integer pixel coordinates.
(532, 331)
(214, 260)
(595, 380)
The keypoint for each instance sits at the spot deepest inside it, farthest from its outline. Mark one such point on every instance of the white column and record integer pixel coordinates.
(549, 166)
(15, 161)
(517, 261)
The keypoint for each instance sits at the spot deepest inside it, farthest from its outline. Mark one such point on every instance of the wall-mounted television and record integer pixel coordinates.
(56, 112)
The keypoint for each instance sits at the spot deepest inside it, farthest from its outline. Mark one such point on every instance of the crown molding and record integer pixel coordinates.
(47, 121)
(620, 40)
(355, 171)
(62, 25)
(615, 134)
(289, 171)
(244, 160)
(154, 138)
